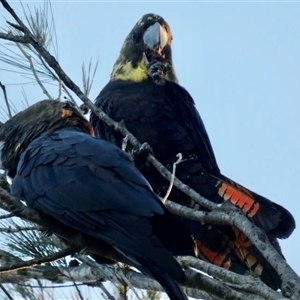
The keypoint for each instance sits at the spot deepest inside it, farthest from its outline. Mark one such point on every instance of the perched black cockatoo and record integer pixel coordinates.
(61, 170)
(144, 92)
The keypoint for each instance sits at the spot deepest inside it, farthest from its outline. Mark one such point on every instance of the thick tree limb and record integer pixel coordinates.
(115, 274)
(245, 283)
(217, 288)
(89, 275)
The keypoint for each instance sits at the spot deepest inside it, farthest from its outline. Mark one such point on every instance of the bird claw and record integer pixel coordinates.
(157, 71)
(142, 151)
(84, 108)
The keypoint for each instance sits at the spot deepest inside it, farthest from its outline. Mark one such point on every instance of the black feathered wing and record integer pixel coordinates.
(90, 185)
(166, 117)
(189, 116)
(154, 114)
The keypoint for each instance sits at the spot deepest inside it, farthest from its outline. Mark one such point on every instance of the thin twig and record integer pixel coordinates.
(123, 278)
(86, 77)
(6, 216)
(59, 97)
(57, 79)
(29, 58)
(98, 268)
(38, 261)
(77, 290)
(18, 229)
(5, 98)
(5, 291)
(106, 292)
(14, 38)
(57, 286)
(179, 155)
(25, 98)
(124, 143)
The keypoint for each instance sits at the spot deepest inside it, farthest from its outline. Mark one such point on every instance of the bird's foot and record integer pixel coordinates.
(157, 71)
(138, 152)
(84, 108)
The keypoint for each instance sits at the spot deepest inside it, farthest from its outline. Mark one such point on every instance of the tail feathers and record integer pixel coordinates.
(214, 186)
(271, 217)
(167, 281)
(235, 252)
(286, 222)
(223, 257)
(254, 260)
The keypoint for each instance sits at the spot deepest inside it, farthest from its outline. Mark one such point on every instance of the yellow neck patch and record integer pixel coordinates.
(125, 71)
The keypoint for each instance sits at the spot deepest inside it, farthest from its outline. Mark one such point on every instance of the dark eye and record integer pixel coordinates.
(10, 128)
(134, 36)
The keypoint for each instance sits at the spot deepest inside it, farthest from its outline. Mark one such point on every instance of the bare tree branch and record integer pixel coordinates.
(106, 292)
(92, 272)
(138, 280)
(5, 98)
(57, 79)
(6, 216)
(77, 290)
(87, 77)
(29, 58)
(18, 229)
(245, 283)
(215, 287)
(179, 155)
(39, 260)
(4, 290)
(14, 38)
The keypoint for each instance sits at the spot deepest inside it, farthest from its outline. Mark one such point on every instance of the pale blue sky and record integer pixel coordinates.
(240, 62)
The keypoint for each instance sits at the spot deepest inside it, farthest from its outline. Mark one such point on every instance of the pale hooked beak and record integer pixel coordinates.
(155, 39)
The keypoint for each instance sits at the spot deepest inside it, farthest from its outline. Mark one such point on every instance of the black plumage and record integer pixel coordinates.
(92, 186)
(143, 91)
